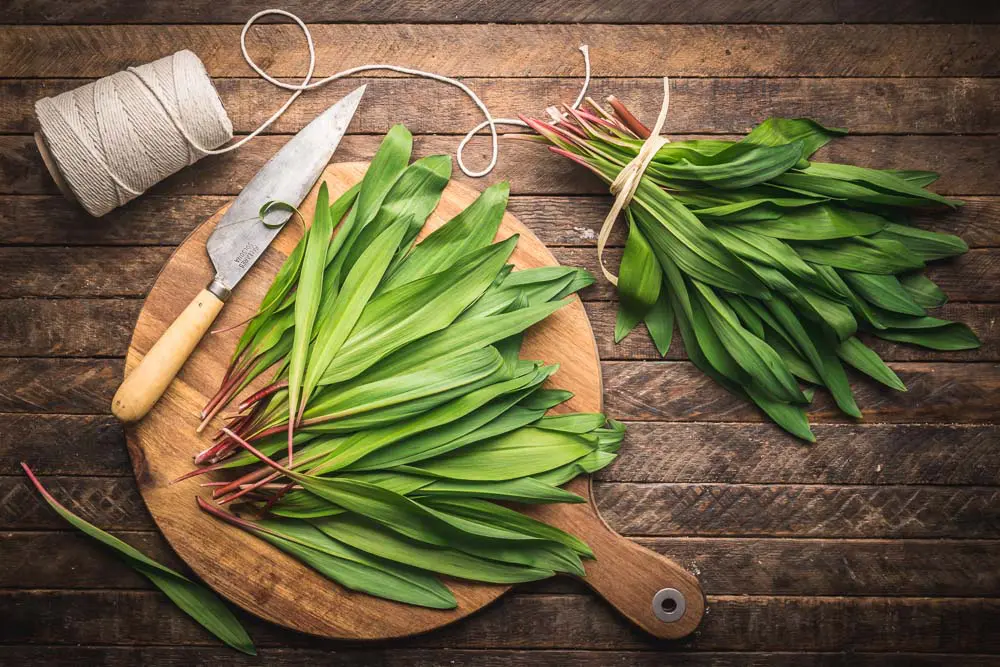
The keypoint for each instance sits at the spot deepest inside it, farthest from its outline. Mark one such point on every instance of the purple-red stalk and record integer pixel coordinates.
(243, 489)
(223, 397)
(263, 393)
(627, 118)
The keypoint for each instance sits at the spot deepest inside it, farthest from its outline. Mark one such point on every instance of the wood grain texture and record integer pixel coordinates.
(76, 327)
(518, 50)
(677, 391)
(804, 510)
(855, 454)
(724, 565)
(633, 509)
(129, 272)
(961, 105)
(270, 584)
(176, 656)
(519, 11)
(656, 391)
(778, 532)
(28, 220)
(966, 163)
(522, 621)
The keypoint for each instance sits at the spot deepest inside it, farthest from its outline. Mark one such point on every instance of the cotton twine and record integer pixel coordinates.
(627, 182)
(111, 140)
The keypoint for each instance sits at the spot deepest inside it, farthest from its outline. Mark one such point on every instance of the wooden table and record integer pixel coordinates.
(878, 545)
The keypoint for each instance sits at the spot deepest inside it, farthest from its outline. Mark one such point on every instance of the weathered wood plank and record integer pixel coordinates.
(112, 503)
(88, 271)
(965, 162)
(541, 11)
(663, 509)
(671, 391)
(865, 106)
(63, 444)
(810, 510)
(843, 454)
(859, 454)
(77, 328)
(185, 656)
(654, 391)
(102, 328)
(521, 50)
(121, 271)
(557, 220)
(725, 566)
(74, 386)
(576, 622)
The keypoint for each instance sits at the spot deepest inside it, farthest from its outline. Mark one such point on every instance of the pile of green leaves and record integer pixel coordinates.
(769, 263)
(400, 412)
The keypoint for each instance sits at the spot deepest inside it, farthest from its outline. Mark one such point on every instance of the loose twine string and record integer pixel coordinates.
(116, 137)
(627, 182)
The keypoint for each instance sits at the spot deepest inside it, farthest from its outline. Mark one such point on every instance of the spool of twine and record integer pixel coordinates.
(109, 141)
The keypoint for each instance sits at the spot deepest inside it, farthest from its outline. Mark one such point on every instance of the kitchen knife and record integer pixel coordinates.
(240, 237)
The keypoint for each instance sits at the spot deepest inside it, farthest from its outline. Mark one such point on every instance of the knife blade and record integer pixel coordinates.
(241, 236)
(239, 239)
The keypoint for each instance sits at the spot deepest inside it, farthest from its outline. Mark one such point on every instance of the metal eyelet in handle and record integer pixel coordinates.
(669, 605)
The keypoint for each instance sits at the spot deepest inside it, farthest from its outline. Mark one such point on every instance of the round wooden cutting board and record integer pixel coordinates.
(276, 587)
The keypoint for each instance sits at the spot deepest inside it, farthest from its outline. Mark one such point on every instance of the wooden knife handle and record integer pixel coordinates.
(650, 590)
(143, 387)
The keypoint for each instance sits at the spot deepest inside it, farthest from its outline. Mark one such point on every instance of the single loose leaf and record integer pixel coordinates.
(195, 600)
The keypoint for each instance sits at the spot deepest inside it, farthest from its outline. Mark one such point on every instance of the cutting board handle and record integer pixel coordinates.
(144, 385)
(650, 590)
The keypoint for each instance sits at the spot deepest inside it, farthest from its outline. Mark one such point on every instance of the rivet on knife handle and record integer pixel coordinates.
(145, 385)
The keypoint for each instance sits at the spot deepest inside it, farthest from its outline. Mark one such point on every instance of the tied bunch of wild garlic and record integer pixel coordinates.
(768, 262)
(400, 412)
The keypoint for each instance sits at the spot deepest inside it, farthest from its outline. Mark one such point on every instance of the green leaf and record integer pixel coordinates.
(354, 295)
(416, 309)
(355, 569)
(195, 600)
(882, 180)
(470, 230)
(493, 514)
(883, 291)
(307, 300)
(660, 322)
(522, 490)
(527, 451)
(369, 537)
(923, 290)
(755, 356)
(410, 200)
(863, 358)
(820, 222)
(387, 165)
(955, 336)
(924, 244)
(790, 417)
(862, 254)
(638, 282)
(371, 392)
(764, 250)
(778, 131)
(737, 166)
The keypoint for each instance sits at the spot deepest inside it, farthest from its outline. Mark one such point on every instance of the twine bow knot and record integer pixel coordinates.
(627, 182)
